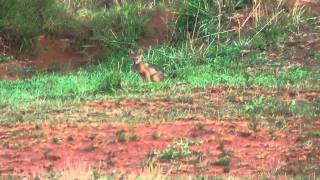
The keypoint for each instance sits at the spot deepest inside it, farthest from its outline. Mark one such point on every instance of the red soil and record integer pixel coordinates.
(32, 148)
(51, 52)
(55, 51)
(10, 70)
(59, 53)
(157, 29)
(251, 152)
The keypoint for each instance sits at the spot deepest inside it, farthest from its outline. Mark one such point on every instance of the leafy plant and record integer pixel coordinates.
(21, 21)
(176, 151)
(119, 27)
(6, 58)
(315, 133)
(223, 161)
(121, 137)
(200, 126)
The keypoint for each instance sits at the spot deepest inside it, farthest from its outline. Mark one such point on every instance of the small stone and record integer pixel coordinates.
(53, 157)
(244, 133)
(88, 148)
(91, 136)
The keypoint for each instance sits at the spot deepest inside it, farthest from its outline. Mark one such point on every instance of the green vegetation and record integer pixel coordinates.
(176, 151)
(5, 58)
(122, 137)
(106, 79)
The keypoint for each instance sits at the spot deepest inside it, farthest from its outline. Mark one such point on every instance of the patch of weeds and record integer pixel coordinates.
(38, 133)
(277, 122)
(54, 67)
(223, 159)
(121, 137)
(16, 144)
(119, 27)
(6, 58)
(274, 34)
(315, 133)
(226, 169)
(150, 159)
(117, 101)
(109, 83)
(272, 134)
(185, 99)
(253, 124)
(2, 143)
(173, 113)
(95, 173)
(315, 54)
(10, 176)
(200, 126)
(22, 21)
(126, 113)
(231, 97)
(262, 106)
(56, 140)
(13, 117)
(305, 108)
(259, 42)
(14, 69)
(196, 158)
(177, 151)
(187, 22)
(46, 152)
(30, 70)
(255, 105)
(132, 136)
(19, 133)
(51, 174)
(278, 110)
(109, 160)
(37, 126)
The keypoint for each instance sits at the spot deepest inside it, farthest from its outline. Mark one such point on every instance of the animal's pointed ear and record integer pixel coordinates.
(131, 52)
(139, 51)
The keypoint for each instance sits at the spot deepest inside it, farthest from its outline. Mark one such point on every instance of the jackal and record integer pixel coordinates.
(147, 71)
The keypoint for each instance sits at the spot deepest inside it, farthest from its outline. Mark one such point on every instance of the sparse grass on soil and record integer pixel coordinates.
(241, 93)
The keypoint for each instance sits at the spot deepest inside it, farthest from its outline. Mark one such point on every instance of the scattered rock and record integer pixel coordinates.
(244, 133)
(70, 138)
(53, 157)
(88, 148)
(201, 132)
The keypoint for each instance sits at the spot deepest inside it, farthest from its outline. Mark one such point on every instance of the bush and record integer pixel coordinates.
(21, 21)
(120, 26)
(194, 15)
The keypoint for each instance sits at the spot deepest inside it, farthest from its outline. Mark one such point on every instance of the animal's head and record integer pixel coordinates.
(136, 57)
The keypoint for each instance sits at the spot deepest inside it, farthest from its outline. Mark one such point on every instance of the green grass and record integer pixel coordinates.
(108, 79)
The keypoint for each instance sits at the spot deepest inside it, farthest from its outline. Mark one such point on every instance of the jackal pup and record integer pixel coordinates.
(147, 71)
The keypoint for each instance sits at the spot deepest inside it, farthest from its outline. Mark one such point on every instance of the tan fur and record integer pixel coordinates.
(146, 71)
